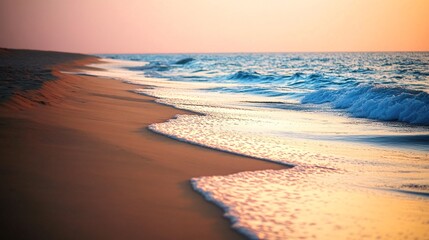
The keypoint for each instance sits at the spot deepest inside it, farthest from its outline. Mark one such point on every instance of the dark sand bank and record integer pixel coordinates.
(22, 70)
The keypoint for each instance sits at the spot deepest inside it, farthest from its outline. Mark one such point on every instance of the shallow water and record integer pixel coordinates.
(352, 177)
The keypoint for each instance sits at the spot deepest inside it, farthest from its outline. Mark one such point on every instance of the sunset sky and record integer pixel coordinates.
(162, 26)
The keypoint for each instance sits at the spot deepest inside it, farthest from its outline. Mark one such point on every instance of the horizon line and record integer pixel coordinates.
(266, 52)
(222, 52)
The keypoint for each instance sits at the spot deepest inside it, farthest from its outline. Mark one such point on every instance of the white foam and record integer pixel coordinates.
(310, 203)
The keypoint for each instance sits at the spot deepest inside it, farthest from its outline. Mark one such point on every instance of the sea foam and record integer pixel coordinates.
(310, 203)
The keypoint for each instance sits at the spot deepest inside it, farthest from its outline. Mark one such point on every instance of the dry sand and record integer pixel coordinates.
(77, 160)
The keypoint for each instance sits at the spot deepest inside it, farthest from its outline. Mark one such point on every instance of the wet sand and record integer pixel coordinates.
(77, 160)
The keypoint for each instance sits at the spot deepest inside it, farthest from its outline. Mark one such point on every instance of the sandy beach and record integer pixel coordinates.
(77, 160)
(214, 119)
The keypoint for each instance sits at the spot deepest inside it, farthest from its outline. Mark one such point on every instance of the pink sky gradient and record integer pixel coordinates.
(160, 26)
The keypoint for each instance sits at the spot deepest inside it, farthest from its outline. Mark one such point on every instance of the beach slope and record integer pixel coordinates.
(77, 160)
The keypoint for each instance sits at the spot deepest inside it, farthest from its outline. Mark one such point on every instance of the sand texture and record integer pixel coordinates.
(77, 160)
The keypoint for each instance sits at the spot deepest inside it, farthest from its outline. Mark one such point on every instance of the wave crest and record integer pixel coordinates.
(185, 61)
(244, 75)
(154, 66)
(380, 103)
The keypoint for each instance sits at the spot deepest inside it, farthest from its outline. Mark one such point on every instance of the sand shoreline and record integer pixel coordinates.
(79, 162)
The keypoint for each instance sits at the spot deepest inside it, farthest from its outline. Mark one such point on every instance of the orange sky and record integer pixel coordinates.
(141, 26)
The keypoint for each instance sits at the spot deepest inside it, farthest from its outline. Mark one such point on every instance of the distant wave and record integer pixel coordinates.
(185, 61)
(297, 76)
(313, 80)
(380, 103)
(252, 76)
(161, 66)
(155, 66)
(265, 91)
(245, 75)
(363, 70)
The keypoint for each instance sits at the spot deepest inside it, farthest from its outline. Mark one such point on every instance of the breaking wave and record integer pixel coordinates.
(374, 102)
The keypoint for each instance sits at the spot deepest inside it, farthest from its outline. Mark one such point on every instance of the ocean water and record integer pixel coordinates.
(354, 126)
